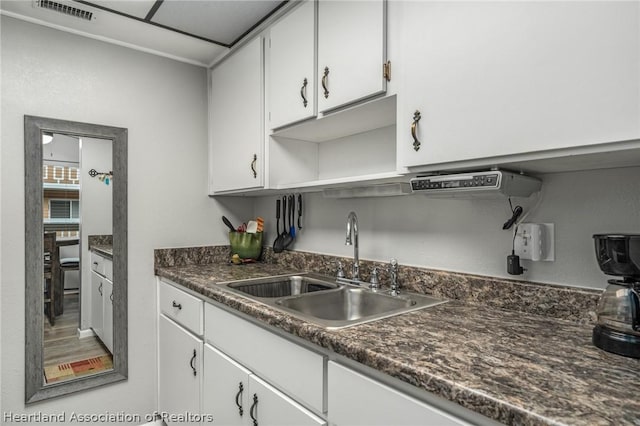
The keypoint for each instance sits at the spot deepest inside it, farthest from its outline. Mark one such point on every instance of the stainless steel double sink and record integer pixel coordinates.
(324, 301)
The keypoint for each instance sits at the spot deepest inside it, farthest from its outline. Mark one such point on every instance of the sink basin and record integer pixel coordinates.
(281, 286)
(351, 305)
(323, 301)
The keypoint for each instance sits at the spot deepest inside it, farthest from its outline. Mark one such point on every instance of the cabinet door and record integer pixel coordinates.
(292, 67)
(270, 407)
(237, 116)
(97, 293)
(107, 314)
(498, 78)
(355, 399)
(351, 51)
(225, 389)
(180, 370)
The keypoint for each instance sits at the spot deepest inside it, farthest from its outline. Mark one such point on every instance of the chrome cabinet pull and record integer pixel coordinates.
(254, 406)
(238, 395)
(253, 166)
(193, 358)
(324, 82)
(416, 118)
(303, 93)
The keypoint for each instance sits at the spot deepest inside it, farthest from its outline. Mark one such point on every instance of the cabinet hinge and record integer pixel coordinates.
(386, 70)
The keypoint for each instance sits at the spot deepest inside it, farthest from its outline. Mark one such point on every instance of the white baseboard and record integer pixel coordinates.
(83, 334)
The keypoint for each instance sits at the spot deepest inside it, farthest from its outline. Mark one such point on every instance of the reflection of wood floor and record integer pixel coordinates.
(61, 342)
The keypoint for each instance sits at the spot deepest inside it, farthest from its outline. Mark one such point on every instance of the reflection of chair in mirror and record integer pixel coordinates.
(68, 264)
(51, 274)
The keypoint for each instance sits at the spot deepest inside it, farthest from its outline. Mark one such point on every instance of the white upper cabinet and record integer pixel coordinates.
(351, 51)
(237, 121)
(492, 79)
(292, 77)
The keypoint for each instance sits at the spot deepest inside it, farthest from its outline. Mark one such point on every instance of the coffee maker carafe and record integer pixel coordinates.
(618, 327)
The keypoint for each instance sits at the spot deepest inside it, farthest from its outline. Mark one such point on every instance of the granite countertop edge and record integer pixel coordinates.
(491, 397)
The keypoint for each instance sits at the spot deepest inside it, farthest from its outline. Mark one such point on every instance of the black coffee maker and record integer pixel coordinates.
(618, 328)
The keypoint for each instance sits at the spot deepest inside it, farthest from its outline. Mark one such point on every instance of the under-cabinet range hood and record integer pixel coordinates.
(488, 184)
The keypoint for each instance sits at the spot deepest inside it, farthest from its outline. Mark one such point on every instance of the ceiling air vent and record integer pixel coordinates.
(64, 9)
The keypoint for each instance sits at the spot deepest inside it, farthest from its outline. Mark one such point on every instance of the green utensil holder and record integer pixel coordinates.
(245, 245)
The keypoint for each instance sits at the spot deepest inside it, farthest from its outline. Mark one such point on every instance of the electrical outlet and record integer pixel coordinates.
(535, 241)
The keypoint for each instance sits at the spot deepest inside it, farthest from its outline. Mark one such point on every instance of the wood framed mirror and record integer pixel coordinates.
(64, 220)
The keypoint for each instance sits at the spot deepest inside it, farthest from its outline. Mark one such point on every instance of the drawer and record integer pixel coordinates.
(108, 268)
(97, 263)
(185, 309)
(290, 367)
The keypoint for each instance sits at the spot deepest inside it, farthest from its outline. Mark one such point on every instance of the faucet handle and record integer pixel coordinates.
(393, 271)
(340, 271)
(374, 284)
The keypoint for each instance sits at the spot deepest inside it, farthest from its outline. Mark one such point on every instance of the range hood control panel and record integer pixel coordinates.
(476, 184)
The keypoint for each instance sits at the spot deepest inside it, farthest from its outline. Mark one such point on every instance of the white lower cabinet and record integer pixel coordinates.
(235, 396)
(225, 391)
(355, 399)
(107, 314)
(180, 373)
(97, 294)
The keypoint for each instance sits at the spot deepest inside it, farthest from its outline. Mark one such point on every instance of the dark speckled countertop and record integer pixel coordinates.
(513, 367)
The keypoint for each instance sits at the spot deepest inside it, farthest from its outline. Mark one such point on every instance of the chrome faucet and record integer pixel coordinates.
(352, 228)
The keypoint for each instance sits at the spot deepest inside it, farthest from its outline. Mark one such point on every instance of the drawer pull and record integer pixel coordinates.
(177, 305)
(95, 263)
(193, 358)
(100, 288)
(324, 82)
(303, 93)
(254, 405)
(238, 395)
(414, 125)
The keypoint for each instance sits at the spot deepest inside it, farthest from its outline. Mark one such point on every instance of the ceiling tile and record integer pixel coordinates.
(221, 20)
(137, 8)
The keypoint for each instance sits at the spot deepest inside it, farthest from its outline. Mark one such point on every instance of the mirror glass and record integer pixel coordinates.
(76, 209)
(76, 256)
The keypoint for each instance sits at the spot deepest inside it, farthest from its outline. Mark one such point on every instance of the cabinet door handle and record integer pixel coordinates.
(324, 82)
(254, 406)
(100, 288)
(253, 166)
(414, 126)
(193, 358)
(238, 395)
(177, 305)
(303, 92)
(111, 297)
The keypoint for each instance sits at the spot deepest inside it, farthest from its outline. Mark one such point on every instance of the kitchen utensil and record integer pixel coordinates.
(618, 325)
(260, 224)
(292, 211)
(278, 243)
(252, 227)
(242, 228)
(228, 223)
(299, 211)
(288, 238)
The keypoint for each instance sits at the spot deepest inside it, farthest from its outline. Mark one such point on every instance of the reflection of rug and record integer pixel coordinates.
(69, 370)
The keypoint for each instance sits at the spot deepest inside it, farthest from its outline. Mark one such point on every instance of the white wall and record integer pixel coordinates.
(163, 104)
(467, 235)
(96, 210)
